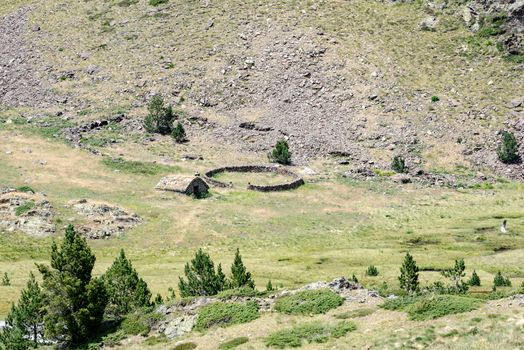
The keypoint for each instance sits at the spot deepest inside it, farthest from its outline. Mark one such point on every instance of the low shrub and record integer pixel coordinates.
(309, 302)
(185, 346)
(474, 280)
(399, 165)
(226, 314)
(239, 292)
(233, 343)
(157, 2)
(508, 150)
(158, 339)
(435, 98)
(372, 271)
(431, 307)
(280, 153)
(24, 208)
(179, 133)
(314, 332)
(25, 188)
(139, 322)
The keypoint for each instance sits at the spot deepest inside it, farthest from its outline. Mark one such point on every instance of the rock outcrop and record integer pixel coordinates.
(102, 220)
(28, 212)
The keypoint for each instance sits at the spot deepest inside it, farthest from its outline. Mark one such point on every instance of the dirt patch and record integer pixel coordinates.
(28, 212)
(102, 220)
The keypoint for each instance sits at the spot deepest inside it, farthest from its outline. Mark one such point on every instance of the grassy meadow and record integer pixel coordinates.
(327, 228)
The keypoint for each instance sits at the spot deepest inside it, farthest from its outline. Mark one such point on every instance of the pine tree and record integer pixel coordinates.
(399, 165)
(75, 302)
(281, 153)
(126, 290)
(5, 280)
(158, 299)
(508, 151)
(501, 281)
(13, 337)
(201, 277)
(409, 274)
(160, 118)
(178, 133)
(240, 277)
(455, 274)
(269, 286)
(475, 279)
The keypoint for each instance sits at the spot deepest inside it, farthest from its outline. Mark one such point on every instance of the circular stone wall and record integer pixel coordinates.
(296, 181)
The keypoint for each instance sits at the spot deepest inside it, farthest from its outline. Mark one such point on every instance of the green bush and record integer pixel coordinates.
(6, 281)
(399, 165)
(372, 271)
(508, 149)
(313, 332)
(280, 153)
(24, 208)
(474, 280)
(226, 314)
(160, 117)
(501, 281)
(431, 307)
(137, 168)
(157, 2)
(179, 134)
(435, 98)
(140, 322)
(233, 343)
(309, 302)
(25, 188)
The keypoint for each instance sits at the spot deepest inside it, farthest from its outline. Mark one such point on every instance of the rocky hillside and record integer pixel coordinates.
(436, 82)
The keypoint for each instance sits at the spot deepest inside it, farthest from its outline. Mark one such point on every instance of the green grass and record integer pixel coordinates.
(139, 322)
(431, 307)
(185, 346)
(25, 188)
(135, 167)
(313, 332)
(355, 313)
(233, 343)
(24, 208)
(226, 314)
(157, 2)
(309, 302)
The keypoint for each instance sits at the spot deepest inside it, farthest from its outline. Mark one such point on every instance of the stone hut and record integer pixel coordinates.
(190, 185)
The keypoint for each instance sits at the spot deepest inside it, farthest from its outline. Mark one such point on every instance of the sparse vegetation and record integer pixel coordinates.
(157, 2)
(226, 314)
(281, 153)
(25, 188)
(309, 302)
(185, 346)
(233, 343)
(435, 99)
(25, 208)
(355, 313)
(314, 332)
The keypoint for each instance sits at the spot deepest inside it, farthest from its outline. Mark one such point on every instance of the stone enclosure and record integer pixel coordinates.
(296, 181)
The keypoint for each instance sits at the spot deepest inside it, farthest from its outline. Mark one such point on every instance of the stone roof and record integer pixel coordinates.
(177, 183)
